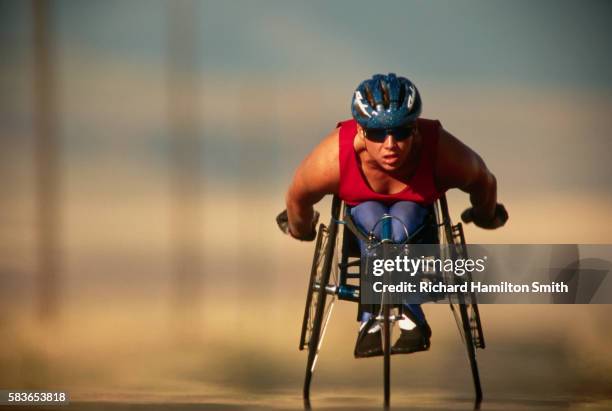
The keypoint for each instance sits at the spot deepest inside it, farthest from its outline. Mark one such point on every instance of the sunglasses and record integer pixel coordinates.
(380, 134)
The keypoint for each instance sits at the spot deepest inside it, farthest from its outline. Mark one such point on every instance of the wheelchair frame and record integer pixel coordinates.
(339, 259)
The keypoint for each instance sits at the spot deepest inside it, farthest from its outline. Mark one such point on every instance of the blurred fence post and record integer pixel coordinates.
(47, 161)
(186, 149)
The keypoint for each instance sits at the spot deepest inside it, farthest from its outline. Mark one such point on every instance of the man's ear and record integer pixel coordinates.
(360, 133)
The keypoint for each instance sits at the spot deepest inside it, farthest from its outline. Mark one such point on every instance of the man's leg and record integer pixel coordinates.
(415, 331)
(412, 216)
(366, 215)
(369, 339)
(415, 335)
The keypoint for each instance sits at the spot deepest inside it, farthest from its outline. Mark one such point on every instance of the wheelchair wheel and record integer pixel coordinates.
(314, 287)
(323, 281)
(466, 314)
(473, 325)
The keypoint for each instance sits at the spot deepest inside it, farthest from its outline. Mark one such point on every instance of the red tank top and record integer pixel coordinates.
(421, 188)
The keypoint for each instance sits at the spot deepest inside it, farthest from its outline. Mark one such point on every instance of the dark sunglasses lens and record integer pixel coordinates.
(402, 133)
(376, 134)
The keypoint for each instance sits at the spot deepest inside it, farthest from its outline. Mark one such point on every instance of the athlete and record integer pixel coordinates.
(388, 160)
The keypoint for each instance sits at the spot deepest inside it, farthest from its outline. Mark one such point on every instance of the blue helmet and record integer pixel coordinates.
(385, 102)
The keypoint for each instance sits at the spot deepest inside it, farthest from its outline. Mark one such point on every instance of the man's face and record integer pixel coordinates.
(389, 148)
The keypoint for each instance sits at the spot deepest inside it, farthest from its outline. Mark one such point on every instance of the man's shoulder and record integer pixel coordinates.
(319, 171)
(327, 149)
(428, 123)
(347, 122)
(351, 123)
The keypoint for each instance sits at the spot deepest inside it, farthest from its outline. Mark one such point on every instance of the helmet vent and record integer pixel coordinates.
(385, 89)
(402, 96)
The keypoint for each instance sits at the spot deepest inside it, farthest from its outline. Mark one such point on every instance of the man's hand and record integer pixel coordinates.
(283, 223)
(500, 218)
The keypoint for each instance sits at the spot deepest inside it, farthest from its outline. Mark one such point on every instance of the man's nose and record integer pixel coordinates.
(389, 140)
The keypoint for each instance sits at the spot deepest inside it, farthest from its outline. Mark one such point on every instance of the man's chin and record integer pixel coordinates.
(389, 166)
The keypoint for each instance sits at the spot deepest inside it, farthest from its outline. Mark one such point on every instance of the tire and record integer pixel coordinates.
(466, 315)
(318, 306)
(312, 293)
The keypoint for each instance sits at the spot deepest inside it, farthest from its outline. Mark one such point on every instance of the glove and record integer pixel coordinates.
(500, 218)
(282, 220)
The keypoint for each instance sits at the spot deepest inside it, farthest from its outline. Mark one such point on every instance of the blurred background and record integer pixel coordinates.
(145, 148)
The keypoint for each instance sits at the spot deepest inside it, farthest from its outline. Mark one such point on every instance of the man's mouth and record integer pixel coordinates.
(390, 158)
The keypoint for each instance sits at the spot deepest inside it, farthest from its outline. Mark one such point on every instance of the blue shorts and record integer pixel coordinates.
(410, 217)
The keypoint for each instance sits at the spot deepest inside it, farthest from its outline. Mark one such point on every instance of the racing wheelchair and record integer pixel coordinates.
(335, 275)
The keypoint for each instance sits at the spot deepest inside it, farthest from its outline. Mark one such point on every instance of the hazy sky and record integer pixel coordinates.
(511, 78)
(557, 42)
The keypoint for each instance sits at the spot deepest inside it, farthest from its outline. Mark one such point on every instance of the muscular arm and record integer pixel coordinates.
(318, 175)
(459, 167)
